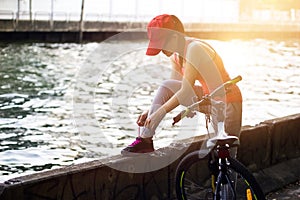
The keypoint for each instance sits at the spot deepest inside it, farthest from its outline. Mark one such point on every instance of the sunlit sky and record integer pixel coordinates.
(198, 10)
(186, 10)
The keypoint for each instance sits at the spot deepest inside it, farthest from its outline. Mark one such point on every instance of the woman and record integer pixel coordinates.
(193, 61)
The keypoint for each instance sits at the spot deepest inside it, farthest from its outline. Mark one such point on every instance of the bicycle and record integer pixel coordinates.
(227, 177)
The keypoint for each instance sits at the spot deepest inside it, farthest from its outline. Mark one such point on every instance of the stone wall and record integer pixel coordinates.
(271, 150)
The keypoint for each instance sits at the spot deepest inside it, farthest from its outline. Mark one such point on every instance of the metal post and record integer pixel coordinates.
(30, 10)
(18, 15)
(81, 22)
(51, 14)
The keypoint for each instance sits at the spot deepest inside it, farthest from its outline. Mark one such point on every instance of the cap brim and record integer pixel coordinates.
(154, 47)
(152, 51)
(157, 37)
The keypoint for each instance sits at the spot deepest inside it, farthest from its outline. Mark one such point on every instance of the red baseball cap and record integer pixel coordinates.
(157, 33)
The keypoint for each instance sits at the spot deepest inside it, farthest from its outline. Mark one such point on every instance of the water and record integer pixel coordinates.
(62, 104)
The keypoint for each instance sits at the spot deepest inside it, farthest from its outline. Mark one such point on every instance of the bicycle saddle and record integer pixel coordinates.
(221, 140)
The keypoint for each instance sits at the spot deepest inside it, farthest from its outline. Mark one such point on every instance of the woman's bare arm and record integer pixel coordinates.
(176, 72)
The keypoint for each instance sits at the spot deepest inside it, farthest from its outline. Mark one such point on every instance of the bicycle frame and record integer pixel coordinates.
(221, 149)
(206, 99)
(224, 168)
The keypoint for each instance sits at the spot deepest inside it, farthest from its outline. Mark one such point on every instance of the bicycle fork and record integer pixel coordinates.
(224, 188)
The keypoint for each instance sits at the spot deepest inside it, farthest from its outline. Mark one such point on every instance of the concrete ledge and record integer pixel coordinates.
(242, 27)
(277, 176)
(255, 147)
(91, 26)
(285, 138)
(64, 31)
(265, 149)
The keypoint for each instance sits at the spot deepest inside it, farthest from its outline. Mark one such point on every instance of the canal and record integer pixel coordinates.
(62, 104)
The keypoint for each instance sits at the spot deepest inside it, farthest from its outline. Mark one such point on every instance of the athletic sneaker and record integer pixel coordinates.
(140, 145)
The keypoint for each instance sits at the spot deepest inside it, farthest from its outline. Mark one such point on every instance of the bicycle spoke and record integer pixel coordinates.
(194, 189)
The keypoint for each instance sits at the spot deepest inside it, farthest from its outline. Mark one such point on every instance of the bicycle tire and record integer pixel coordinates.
(193, 179)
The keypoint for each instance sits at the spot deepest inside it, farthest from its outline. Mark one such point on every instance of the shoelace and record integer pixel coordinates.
(137, 141)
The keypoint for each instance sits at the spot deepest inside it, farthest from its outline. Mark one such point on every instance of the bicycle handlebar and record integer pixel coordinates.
(225, 85)
(205, 100)
(234, 80)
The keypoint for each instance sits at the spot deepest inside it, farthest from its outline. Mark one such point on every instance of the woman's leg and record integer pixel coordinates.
(164, 93)
(233, 122)
(231, 115)
(233, 119)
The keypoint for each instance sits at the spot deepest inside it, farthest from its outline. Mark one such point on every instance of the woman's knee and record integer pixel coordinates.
(171, 85)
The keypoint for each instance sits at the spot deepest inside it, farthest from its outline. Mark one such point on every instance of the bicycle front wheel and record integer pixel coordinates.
(246, 186)
(195, 179)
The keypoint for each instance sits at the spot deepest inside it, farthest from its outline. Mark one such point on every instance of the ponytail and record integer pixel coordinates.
(178, 24)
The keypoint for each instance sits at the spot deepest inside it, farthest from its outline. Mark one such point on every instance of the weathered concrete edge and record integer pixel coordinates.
(276, 177)
(91, 26)
(277, 149)
(63, 31)
(270, 179)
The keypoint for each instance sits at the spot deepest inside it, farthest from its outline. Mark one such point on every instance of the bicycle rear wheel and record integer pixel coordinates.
(194, 180)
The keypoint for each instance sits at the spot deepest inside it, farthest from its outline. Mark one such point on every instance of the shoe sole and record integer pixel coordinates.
(128, 153)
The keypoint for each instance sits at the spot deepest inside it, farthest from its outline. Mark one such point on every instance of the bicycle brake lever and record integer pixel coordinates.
(178, 117)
